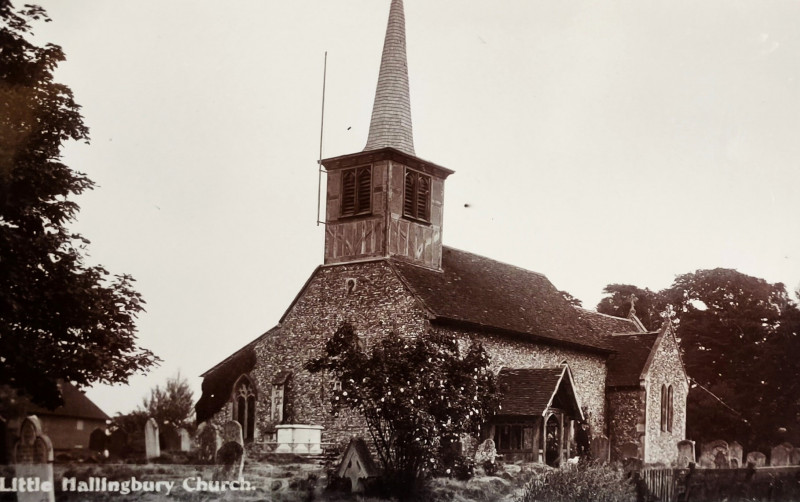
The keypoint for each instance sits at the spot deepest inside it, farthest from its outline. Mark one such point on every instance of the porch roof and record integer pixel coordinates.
(531, 391)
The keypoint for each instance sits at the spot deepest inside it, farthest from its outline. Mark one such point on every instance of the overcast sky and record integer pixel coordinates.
(596, 142)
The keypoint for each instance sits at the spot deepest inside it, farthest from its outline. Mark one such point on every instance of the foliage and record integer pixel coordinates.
(739, 336)
(597, 482)
(649, 304)
(575, 302)
(59, 318)
(170, 405)
(218, 384)
(416, 395)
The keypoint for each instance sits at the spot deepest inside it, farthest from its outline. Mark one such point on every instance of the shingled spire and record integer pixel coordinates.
(390, 125)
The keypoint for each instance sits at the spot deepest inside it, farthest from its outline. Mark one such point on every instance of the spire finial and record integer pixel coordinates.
(390, 125)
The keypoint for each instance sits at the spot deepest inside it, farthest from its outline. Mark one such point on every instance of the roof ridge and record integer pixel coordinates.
(540, 274)
(588, 311)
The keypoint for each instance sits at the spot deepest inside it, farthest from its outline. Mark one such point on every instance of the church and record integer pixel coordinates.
(387, 270)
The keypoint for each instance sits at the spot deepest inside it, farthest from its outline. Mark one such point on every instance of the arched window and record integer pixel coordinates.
(663, 408)
(244, 406)
(670, 408)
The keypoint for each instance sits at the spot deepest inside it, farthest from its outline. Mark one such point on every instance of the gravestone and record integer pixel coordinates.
(97, 440)
(485, 453)
(756, 458)
(151, 446)
(357, 465)
(469, 444)
(779, 456)
(685, 453)
(186, 439)
(600, 448)
(735, 452)
(169, 439)
(230, 456)
(208, 441)
(33, 459)
(794, 456)
(714, 455)
(118, 443)
(629, 450)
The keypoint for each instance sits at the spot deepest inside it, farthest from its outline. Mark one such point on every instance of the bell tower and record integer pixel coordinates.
(385, 201)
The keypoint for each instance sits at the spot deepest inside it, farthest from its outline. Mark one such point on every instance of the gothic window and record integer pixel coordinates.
(670, 408)
(356, 191)
(244, 406)
(417, 196)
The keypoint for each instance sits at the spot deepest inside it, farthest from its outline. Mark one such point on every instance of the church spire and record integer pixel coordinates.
(390, 125)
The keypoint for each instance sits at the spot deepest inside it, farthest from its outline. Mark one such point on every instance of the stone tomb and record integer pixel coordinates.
(780, 455)
(151, 447)
(714, 455)
(630, 450)
(33, 463)
(600, 448)
(230, 456)
(357, 465)
(686, 453)
(299, 439)
(735, 452)
(756, 458)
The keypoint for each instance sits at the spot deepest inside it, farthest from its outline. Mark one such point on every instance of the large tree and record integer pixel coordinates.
(417, 395)
(739, 336)
(60, 318)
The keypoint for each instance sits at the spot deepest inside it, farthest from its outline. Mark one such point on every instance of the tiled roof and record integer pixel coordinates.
(527, 391)
(482, 292)
(608, 324)
(390, 125)
(76, 404)
(626, 365)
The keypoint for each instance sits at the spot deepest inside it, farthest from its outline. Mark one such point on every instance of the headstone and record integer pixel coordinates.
(600, 448)
(186, 439)
(357, 465)
(486, 452)
(735, 452)
(685, 453)
(469, 445)
(33, 459)
(97, 440)
(629, 450)
(118, 443)
(208, 441)
(794, 456)
(169, 439)
(151, 446)
(779, 456)
(714, 455)
(756, 458)
(230, 456)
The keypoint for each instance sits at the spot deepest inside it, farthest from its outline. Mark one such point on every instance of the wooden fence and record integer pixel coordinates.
(752, 484)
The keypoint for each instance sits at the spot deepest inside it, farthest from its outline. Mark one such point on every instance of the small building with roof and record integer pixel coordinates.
(386, 270)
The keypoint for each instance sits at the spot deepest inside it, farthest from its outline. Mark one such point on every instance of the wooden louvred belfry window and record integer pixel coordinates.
(417, 196)
(356, 191)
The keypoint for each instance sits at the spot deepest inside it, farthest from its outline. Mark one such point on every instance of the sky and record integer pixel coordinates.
(595, 142)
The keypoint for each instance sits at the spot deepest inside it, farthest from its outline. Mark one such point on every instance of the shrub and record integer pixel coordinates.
(590, 482)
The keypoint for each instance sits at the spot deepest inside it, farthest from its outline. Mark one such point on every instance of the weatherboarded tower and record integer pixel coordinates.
(385, 201)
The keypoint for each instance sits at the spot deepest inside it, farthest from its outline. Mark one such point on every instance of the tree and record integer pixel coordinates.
(417, 395)
(172, 405)
(59, 317)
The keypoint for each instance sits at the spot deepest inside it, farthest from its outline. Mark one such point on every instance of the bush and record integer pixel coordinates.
(592, 481)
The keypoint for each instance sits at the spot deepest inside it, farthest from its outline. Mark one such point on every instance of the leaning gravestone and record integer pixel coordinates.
(779, 456)
(33, 460)
(230, 457)
(186, 439)
(714, 455)
(208, 441)
(735, 452)
(756, 458)
(685, 453)
(600, 448)
(151, 446)
(485, 453)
